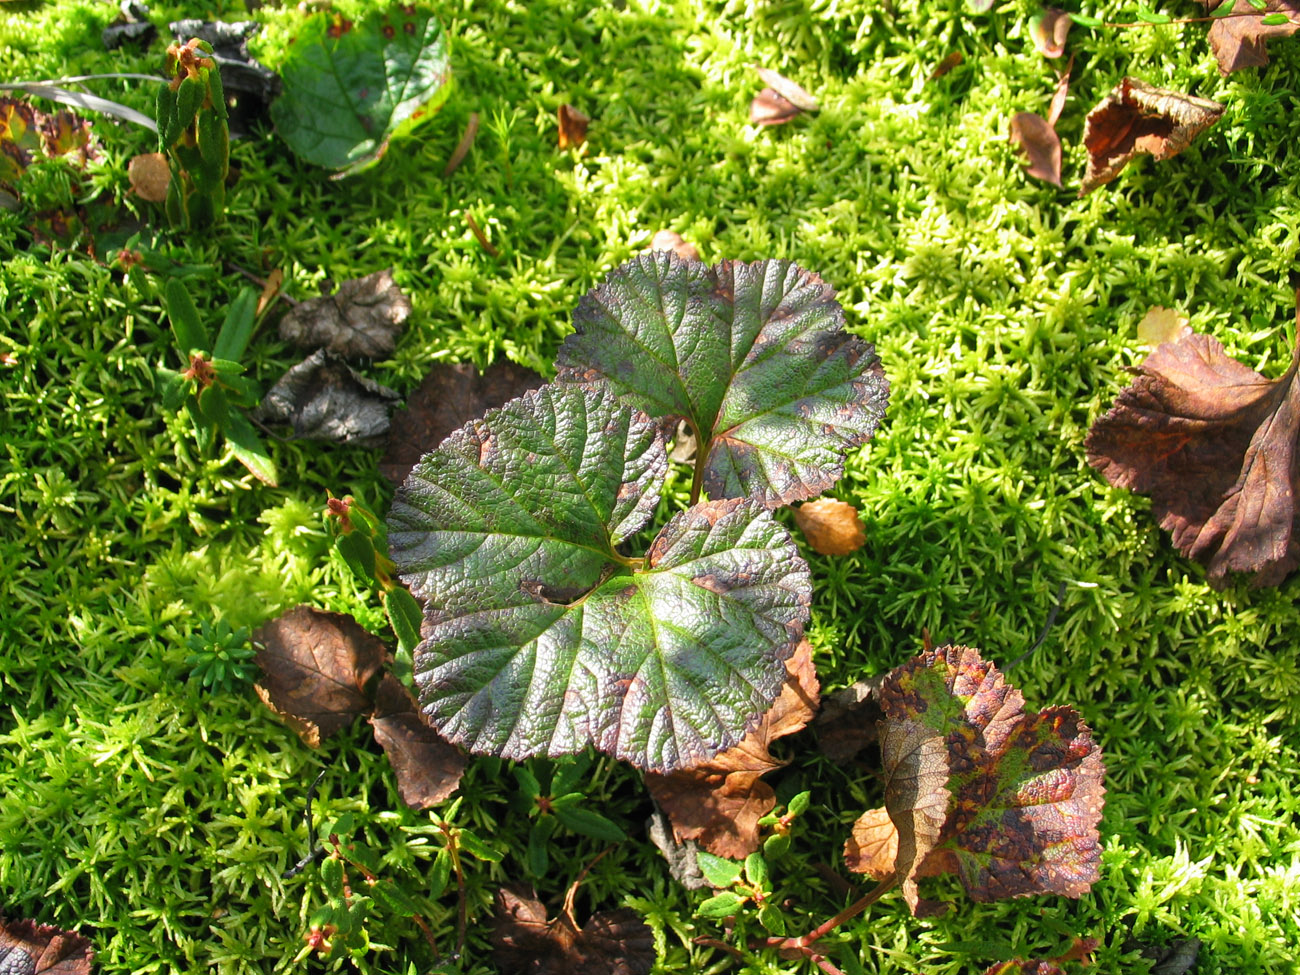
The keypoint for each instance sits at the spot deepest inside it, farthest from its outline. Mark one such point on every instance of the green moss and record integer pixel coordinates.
(159, 818)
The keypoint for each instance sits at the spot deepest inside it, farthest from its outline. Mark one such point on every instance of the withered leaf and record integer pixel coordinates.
(324, 398)
(28, 948)
(832, 527)
(1050, 28)
(719, 802)
(428, 767)
(1138, 118)
(318, 667)
(360, 320)
(448, 397)
(1214, 444)
(787, 89)
(1082, 948)
(769, 107)
(847, 721)
(1160, 325)
(1026, 788)
(131, 27)
(524, 942)
(671, 240)
(573, 126)
(682, 856)
(954, 59)
(1058, 97)
(1038, 139)
(149, 175)
(1238, 40)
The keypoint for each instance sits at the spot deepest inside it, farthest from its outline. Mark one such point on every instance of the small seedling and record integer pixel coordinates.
(221, 657)
(213, 389)
(193, 132)
(559, 803)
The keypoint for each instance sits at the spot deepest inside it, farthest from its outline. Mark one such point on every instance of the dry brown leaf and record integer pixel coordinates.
(1214, 445)
(28, 948)
(1050, 30)
(671, 240)
(1238, 40)
(317, 667)
(831, 527)
(524, 942)
(795, 94)
(1035, 136)
(719, 803)
(771, 108)
(428, 767)
(448, 397)
(872, 846)
(1161, 325)
(463, 147)
(573, 126)
(270, 289)
(1138, 118)
(848, 719)
(947, 64)
(150, 175)
(360, 320)
(1058, 97)
(323, 398)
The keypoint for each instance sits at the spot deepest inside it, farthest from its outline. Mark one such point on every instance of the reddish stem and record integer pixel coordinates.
(801, 943)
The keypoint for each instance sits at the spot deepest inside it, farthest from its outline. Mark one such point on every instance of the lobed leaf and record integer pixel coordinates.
(754, 356)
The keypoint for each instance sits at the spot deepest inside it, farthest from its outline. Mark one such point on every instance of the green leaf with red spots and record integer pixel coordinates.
(351, 87)
(1026, 788)
(541, 637)
(753, 356)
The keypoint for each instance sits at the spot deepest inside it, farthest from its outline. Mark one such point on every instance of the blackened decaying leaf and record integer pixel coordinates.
(719, 803)
(1178, 957)
(573, 126)
(318, 667)
(1214, 445)
(524, 942)
(1138, 118)
(448, 397)
(324, 398)
(671, 240)
(831, 527)
(149, 174)
(1026, 788)
(787, 89)
(131, 27)
(428, 768)
(1035, 135)
(28, 948)
(682, 856)
(1050, 29)
(848, 718)
(1238, 40)
(360, 320)
(249, 86)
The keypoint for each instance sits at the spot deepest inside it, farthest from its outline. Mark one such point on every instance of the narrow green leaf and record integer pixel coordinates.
(476, 848)
(389, 895)
(776, 845)
(569, 772)
(726, 904)
(770, 916)
(248, 448)
(213, 405)
(538, 855)
(165, 115)
(1085, 21)
(1275, 20)
(191, 335)
(1151, 17)
(348, 88)
(589, 823)
(170, 387)
(189, 96)
(1258, 4)
(237, 328)
(404, 616)
(756, 871)
(358, 552)
(717, 871)
(226, 367)
(440, 874)
(527, 781)
(799, 804)
(1224, 9)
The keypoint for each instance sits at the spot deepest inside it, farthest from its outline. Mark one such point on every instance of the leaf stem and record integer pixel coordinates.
(701, 462)
(802, 942)
(1188, 20)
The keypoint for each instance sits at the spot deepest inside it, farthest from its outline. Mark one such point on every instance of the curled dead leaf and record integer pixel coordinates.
(525, 942)
(428, 767)
(323, 398)
(573, 126)
(769, 107)
(150, 175)
(795, 94)
(1042, 147)
(671, 240)
(832, 527)
(360, 320)
(1050, 29)
(1135, 119)
(1238, 40)
(953, 60)
(1214, 445)
(719, 803)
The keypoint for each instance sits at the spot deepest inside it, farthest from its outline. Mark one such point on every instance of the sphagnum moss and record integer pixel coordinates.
(159, 817)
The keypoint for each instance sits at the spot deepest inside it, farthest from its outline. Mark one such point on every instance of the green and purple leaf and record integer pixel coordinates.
(754, 356)
(541, 638)
(349, 87)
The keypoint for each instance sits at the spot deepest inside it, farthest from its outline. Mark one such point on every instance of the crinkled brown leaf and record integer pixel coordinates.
(671, 240)
(769, 107)
(323, 398)
(1160, 325)
(1238, 40)
(1050, 29)
(795, 94)
(149, 174)
(573, 126)
(317, 667)
(947, 64)
(448, 397)
(831, 527)
(1138, 118)
(1026, 787)
(428, 767)
(1214, 445)
(28, 948)
(524, 942)
(719, 803)
(360, 320)
(848, 718)
(1035, 136)
(915, 761)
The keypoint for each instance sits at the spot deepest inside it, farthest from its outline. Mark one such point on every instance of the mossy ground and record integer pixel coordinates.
(158, 818)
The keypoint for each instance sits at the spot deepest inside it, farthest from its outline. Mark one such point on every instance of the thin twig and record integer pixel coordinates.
(462, 149)
(316, 851)
(261, 282)
(1047, 625)
(482, 238)
(1188, 20)
(802, 942)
